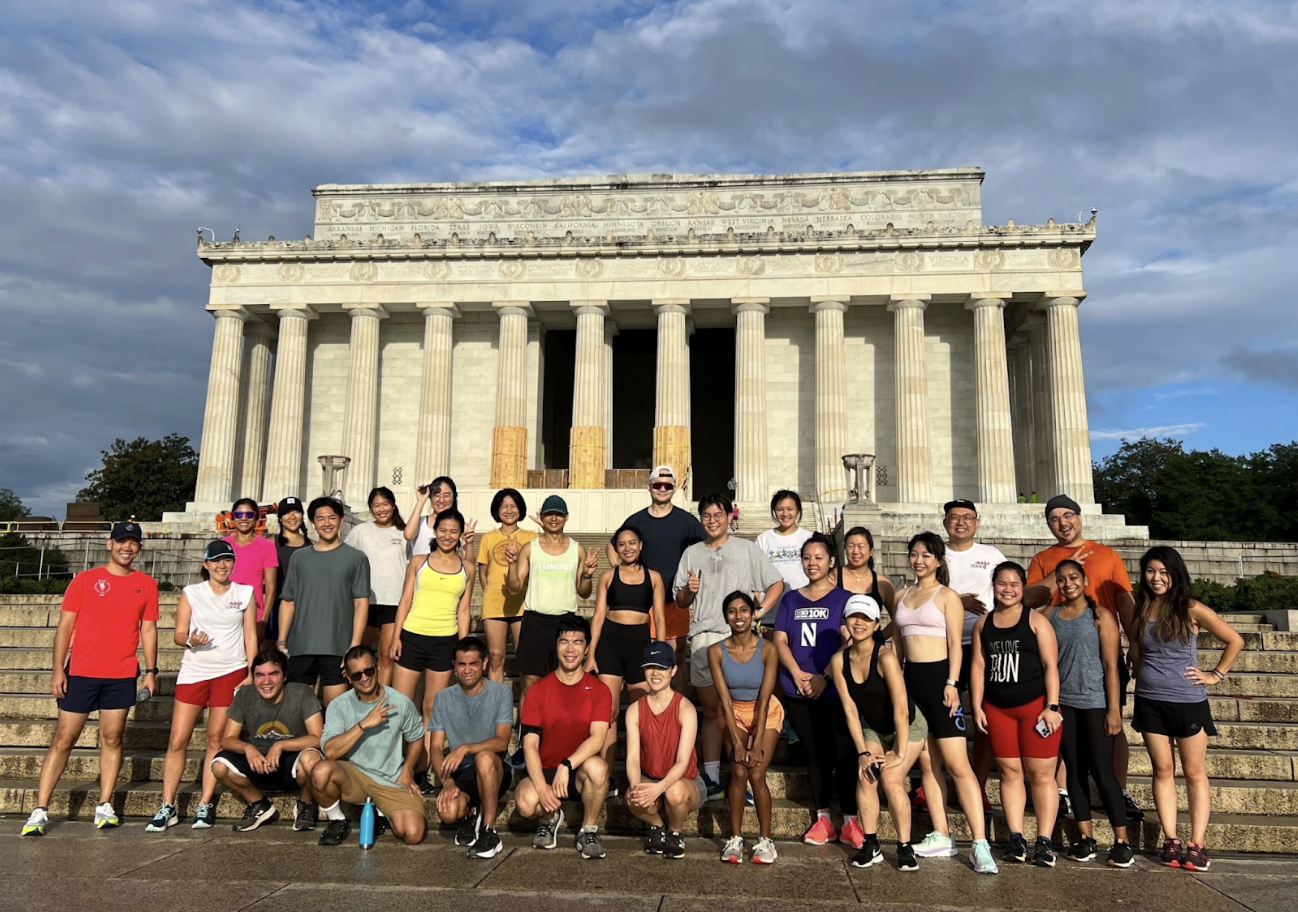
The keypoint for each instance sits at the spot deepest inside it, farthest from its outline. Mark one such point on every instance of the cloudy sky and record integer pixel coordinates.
(125, 124)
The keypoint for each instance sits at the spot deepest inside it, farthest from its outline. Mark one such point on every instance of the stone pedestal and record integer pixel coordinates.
(509, 437)
(914, 448)
(831, 401)
(360, 410)
(284, 436)
(750, 399)
(672, 404)
(992, 396)
(433, 444)
(221, 415)
(257, 337)
(1072, 442)
(588, 440)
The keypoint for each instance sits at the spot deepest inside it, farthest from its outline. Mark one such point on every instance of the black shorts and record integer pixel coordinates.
(1124, 680)
(282, 780)
(307, 668)
(466, 778)
(91, 693)
(534, 655)
(620, 651)
(427, 652)
(925, 683)
(1176, 719)
(381, 614)
(966, 664)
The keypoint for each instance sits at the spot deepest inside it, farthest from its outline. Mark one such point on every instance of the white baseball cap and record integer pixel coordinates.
(862, 604)
(663, 470)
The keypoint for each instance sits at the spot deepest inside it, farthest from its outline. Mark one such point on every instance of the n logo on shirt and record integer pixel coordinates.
(808, 634)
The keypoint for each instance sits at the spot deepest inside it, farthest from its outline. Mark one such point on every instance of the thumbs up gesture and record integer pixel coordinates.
(694, 582)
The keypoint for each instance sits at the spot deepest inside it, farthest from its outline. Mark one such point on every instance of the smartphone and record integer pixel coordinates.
(1042, 729)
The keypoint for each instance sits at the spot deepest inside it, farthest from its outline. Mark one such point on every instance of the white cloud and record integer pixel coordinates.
(1153, 431)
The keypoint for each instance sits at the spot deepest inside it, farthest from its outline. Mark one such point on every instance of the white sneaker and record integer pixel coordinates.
(935, 844)
(105, 816)
(764, 852)
(36, 822)
(733, 852)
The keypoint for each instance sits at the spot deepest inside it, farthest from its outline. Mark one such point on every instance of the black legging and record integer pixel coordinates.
(1087, 750)
(831, 754)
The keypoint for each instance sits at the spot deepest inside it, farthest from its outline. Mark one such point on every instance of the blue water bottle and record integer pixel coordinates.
(368, 821)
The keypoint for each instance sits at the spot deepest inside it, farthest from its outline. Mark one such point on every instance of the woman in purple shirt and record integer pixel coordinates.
(808, 632)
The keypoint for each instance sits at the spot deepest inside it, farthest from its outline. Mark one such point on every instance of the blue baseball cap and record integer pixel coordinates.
(127, 530)
(218, 549)
(554, 504)
(659, 654)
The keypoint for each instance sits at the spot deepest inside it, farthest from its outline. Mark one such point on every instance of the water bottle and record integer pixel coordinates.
(368, 817)
(143, 695)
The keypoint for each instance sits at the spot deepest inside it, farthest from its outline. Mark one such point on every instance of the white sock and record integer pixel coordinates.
(335, 812)
(713, 771)
(846, 819)
(822, 815)
(589, 828)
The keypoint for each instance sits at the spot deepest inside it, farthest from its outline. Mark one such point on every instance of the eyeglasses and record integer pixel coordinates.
(1061, 518)
(662, 486)
(358, 675)
(244, 515)
(712, 515)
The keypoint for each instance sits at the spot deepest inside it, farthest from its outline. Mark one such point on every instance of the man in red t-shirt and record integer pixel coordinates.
(107, 611)
(565, 720)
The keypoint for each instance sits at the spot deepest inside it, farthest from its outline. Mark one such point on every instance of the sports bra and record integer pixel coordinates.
(925, 619)
(630, 597)
(743, 680)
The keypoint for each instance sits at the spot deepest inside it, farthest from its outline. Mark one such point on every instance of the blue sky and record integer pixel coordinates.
(125, 124)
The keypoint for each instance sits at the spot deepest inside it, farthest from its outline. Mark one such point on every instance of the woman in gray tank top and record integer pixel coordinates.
(1091, 704)
(1171, 694)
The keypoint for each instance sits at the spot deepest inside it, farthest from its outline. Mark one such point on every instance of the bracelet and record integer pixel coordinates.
(861, 754)
(1220, 675)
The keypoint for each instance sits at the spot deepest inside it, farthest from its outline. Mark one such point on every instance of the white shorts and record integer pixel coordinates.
(700, 672)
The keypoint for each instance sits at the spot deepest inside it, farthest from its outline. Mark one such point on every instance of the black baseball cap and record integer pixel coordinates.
(959, 503)
(127, 530)
(218, 549)
(287, 504)
(659, 654)
(554, 504)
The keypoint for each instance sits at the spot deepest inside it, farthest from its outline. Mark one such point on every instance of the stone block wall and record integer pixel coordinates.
(473, 397)
(791, 399)
(328, 355)
(401, 369)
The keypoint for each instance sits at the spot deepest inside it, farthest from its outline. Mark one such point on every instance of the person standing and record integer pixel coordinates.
(291, 538)
(502, 611)
(783, 543)
(325, 605)
(216, 624)
(256, 562)
(859, 574)
(442, 495)
(384, 544)
(708, 572)
(107, 612)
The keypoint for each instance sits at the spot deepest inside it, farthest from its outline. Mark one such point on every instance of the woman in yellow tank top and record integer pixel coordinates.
(433, 614)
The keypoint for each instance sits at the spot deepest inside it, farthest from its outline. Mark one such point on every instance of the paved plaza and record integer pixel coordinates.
(76, 868)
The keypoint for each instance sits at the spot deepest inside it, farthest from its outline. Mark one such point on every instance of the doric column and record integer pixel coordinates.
(284, 438)
(1024, 426)
(509, 437)
(914, 448)
(433, 445)
(992, 397)
(1043, 476)
(610, 331)
(1071, 434)
(257, 335)
(831, 401)
(672, 402)
(588, 440)
(750, 398)
(221, 415)
(361, 408)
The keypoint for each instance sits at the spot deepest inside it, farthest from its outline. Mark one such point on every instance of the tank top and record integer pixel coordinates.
(743, 680)
(872, 697)
(630, 597)
(1081, 669)
(1014, 675)
(220, 617)
(552, 580)
(1161, 676)
(660, 738)
(925, 619)
(436, 599)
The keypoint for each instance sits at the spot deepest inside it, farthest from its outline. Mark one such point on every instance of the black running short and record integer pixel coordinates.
(282, 780)
(620, 651)
(925, 684)
(381, 614)
(427, 652)
(307, 668)
(534, 655)
(92, 693)
(1176, 719)
(466, 778)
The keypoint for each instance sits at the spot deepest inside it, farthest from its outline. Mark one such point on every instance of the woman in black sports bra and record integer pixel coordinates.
(619, 632)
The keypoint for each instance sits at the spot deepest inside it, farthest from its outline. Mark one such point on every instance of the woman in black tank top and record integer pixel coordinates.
(858, 575)
(882, 721)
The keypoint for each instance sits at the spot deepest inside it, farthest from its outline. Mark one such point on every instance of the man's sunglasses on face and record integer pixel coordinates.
(662, 486)
(358, 675)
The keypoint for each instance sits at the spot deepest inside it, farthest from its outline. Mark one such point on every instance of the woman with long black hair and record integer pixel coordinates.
(421, 531)
(384, 544)
(255, 561)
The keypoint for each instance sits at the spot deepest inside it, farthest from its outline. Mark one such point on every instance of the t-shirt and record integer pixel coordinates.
(665, 539)
(321, 586)
(220, 617)
(785, 553)
(564, 713)
(737, 564)
(814, 630)
(497, 602)
(109, 611)
(466, 718)
(250, 564)
(264, 724)
(971, 572)
(1104, 570)
(388, 552)
(381, 751)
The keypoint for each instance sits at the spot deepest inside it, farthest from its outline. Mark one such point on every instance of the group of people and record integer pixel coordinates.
(345, 671)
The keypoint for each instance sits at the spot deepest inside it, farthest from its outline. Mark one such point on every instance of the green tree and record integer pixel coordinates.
(1125, 480)
(143, 478)
(11, 506)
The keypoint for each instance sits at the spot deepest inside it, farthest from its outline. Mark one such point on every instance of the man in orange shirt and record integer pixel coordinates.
(1106, 582)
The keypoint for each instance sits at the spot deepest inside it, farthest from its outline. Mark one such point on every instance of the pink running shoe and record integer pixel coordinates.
(821, 832)
(852, 834)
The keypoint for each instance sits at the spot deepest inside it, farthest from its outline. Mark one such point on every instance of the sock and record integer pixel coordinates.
(847, 819)
(589, 828)
(334, 813)
(712, 770)
(873, 836)
(822, 815)
(1125, 794)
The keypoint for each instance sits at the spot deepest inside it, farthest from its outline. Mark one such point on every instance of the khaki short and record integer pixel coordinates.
(388, 798)
(917, 734)
(700, 672)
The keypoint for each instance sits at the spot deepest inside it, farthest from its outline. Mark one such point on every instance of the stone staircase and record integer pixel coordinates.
(1253, 760)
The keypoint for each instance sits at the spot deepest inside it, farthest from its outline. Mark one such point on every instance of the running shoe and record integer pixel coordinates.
(106, 817)
(654, 840)
(1016, 849)
(487, 846)
(589, 844)
(869, 854)
(305, 816)
(673, 845)
(1043, 853)
(712, 790)
(918, 800)
(467, 833)
(1134, 812)
(981, 856)
(789, 735)
(906, 861)
(162, 820)
(851, 834)
(204, 815)
(935, 844)
(1065, 811)
(1084, 849)
(1173, 853)
(1121, 855)
(764, 852)
(733, 852)
(822, 832)
(515, 759)
(748, 797)
(547, 832)
(36, 822)
(424, 782)
(1196, 857)
(255, 815)
(335, 833)
(613, 791)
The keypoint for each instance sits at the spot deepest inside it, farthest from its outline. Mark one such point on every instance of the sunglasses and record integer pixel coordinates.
(244, 515)
(662, 486)
(367, 673)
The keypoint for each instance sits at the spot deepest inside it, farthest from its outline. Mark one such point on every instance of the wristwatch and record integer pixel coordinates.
(1054, 708)
(567, 763)
(152, 669)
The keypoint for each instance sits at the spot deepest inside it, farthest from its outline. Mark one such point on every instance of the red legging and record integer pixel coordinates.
(1012, 731)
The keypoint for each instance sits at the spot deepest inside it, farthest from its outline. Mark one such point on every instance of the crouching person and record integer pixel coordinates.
(373, 737)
